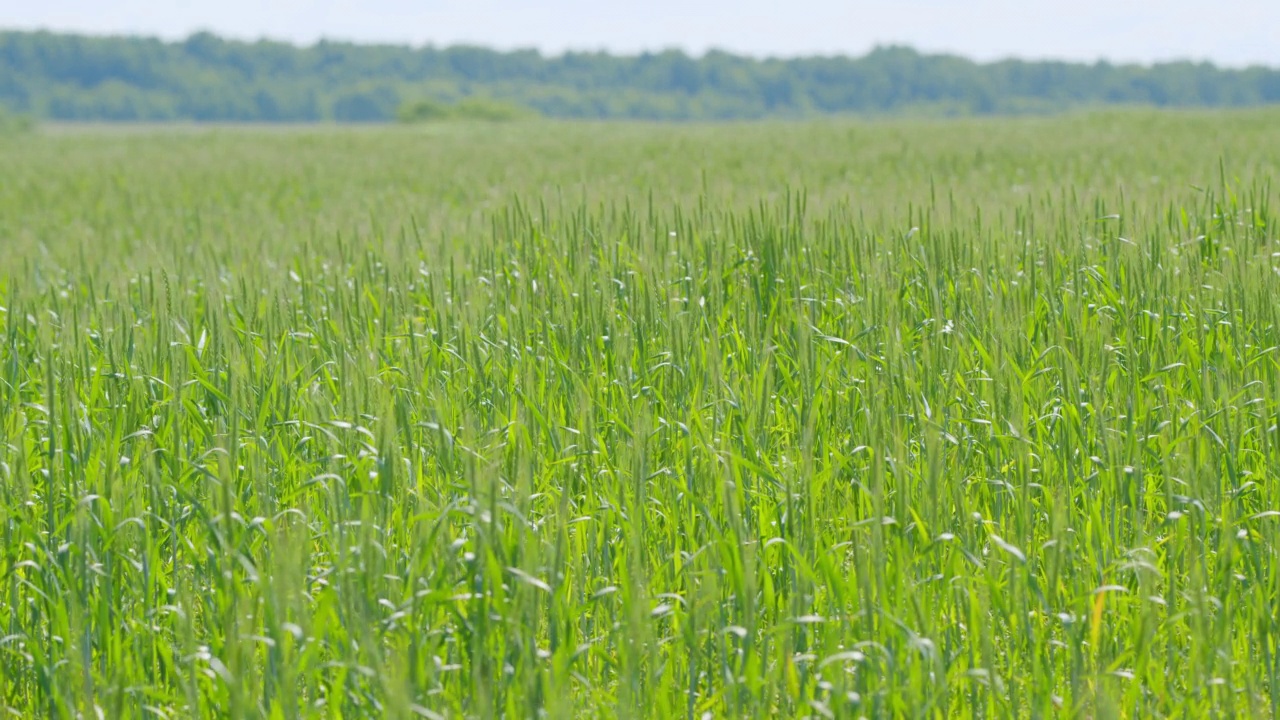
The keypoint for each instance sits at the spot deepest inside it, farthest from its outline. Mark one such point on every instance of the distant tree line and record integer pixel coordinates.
(207, 78)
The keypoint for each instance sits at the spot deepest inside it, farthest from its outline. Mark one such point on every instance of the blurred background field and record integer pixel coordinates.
(130, 190)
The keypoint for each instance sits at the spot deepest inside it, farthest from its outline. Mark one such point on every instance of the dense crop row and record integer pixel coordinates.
(973, 419)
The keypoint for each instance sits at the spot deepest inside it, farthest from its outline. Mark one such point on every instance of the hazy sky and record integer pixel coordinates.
(1233, 32)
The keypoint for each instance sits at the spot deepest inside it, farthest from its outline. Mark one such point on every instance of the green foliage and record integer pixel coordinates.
(420, 111)
(70, 77)
(14, 124)
(490, 110)
(472, 109)
(923, 419)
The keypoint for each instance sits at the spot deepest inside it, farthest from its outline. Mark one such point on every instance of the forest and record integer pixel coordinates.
(64, 77)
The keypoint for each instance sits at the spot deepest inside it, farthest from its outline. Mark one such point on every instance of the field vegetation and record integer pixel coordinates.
(473, 109)
(14, 124)
(913, 419)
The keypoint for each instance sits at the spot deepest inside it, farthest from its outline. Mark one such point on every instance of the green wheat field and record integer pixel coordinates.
(921, 419)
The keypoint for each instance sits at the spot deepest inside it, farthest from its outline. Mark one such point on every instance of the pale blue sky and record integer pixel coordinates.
(1232, 32)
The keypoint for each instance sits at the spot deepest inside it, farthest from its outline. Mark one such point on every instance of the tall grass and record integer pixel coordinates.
(928, 420)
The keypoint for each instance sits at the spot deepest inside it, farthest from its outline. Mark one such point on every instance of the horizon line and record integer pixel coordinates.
(547, 53)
